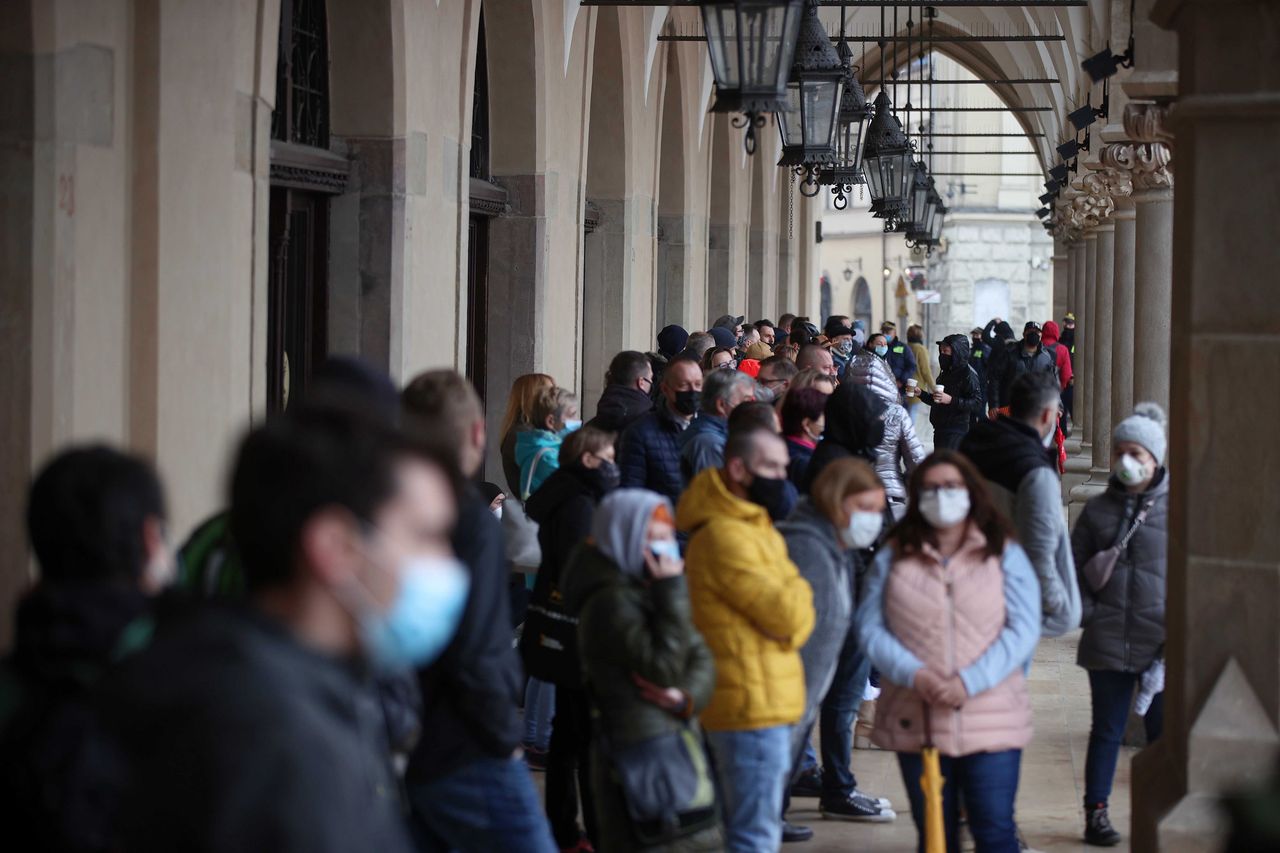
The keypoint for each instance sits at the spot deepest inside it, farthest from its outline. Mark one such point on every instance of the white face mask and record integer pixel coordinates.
(945, 507)
(1131, 472)
(497, 512)
(1047, 439)
(862, 530)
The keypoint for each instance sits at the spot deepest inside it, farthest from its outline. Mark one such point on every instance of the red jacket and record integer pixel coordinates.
(1063, 357)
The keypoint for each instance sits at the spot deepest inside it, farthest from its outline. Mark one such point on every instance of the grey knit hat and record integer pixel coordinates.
(1146, 426)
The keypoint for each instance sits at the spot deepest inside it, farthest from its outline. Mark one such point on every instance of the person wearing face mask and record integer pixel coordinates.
(564, 508)
(855, 426)
(1120, 544)
(950, 615)
(803, 421)
(755, 611)
(924, 376)
(625, 399)
(96, 521)
(470, 695)
(1023, 357)
(555, 415)
(343, 525)
(899, 356)
(979, 357)
(702, 444)
(648, 672)
(649, 451)
(840, 339)
(1012, 452)
(955, 403)
(899, 447)
(826, 536)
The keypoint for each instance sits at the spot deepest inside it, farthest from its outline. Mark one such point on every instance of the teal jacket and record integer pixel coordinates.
(537, 454)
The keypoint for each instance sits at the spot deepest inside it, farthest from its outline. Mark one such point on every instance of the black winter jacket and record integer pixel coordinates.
(564, 508)
(1018, 362)
(961, 383)
(855, 427)
(649, 453)
(240, 738)
(620, 406)
(1124, 621)
(60, 777)
(470, 695)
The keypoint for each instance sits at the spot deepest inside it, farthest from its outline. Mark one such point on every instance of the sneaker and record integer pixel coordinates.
(859, 808)
(793, 834)
(883, 802)
(1098, 830)
(808, 784)
(535, 758)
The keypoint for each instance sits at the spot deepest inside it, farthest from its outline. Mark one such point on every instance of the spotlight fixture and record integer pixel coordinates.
(1068, 149)
(1059, 173)
(1048, 198)
(1052, 185)
(1043, 212)
(1083, 117)
(1105, 64)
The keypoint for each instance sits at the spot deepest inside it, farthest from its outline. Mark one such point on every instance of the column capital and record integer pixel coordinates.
(1150, 163)
(1094, 204)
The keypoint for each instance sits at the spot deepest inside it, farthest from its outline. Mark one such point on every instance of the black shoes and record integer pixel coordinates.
(1098, 830)
(859, 807)
(808, 784)
(793, 834)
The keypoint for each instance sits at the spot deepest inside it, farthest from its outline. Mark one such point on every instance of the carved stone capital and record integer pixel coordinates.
(1150, 164)
(1095, 203)
(1118, 159)
(1153, 166)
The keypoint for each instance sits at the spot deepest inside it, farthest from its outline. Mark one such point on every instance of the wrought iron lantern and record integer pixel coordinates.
(851, 123)
(886, 160)
(751, 43)
(935, 229)
(808, 126)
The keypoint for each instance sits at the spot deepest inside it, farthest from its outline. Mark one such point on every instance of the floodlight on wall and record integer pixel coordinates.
(1105, 64)
(1068, 149)
(808, 126)
(1043, 212)
(1059, 173)
(1052, 185)
(1083, 117)
(751, 43)
(1048, 198)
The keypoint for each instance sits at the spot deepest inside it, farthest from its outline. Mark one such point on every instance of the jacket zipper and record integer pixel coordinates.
(951, 648)
(1128, 590)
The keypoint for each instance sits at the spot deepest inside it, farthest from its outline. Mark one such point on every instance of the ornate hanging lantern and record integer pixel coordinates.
(813, 100)
(751, 43)
(886, 161)
(851, 123)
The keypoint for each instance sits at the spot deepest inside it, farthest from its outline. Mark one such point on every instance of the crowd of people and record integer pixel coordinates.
(663, 608)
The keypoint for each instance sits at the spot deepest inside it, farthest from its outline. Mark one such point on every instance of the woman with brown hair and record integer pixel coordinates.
(950, 617)
(519, 417)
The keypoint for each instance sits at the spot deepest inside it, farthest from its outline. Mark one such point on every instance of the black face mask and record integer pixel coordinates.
(686, 402)
(606, 478)
(774, 495)
(944, 361)
(1033, 339)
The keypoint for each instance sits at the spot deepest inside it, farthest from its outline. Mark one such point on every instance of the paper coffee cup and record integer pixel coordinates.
(911, 383)
(938, 389)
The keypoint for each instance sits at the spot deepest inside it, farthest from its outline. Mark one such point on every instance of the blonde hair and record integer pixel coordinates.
(809, 377)
(520, 401)
(837, 481)
(550, 402)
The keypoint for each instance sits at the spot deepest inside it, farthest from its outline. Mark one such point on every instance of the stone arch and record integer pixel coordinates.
(861, 308)
(675, 227)
(607, 272)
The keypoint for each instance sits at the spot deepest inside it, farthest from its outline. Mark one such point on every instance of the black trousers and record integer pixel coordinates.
(569, 768)
(948, 439)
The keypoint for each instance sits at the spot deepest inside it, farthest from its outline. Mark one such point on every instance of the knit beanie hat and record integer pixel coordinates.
(724, 337)
(671, 340)
(1145, 427)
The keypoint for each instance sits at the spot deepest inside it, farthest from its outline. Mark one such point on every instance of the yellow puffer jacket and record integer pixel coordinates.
(751, 605)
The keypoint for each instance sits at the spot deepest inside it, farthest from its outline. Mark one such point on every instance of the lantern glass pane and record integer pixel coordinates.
(719, 22)
(761, 45)
(920, 194)
(790, 121)
(820, 98)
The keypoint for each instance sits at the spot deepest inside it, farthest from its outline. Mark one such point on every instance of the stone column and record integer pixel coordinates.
(1090, 336)
(1153, 267)
(1061, 280)
(1222, 621)
(1122, 329)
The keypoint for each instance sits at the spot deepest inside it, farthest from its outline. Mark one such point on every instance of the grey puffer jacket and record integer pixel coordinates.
(813, 544)
(1124, 621)
(900, 443)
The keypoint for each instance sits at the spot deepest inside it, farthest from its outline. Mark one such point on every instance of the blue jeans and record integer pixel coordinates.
(835, 722)
(488, 804)
(752, 769)
(1112, 696)
(988, 782)
(539, 708)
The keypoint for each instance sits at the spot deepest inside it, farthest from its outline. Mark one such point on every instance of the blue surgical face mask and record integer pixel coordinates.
(570, 425)
(882, 351)
(422, 619)
(665, 548)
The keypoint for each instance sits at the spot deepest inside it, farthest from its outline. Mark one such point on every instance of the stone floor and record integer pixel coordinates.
(1049, 811)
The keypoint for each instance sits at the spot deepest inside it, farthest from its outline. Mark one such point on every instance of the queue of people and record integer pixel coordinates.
(746, 540)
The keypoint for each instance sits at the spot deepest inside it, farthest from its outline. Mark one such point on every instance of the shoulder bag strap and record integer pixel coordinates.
(1137, 522)
(527, 487)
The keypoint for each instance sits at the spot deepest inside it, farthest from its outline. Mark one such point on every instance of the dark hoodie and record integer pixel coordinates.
(620, 406)
(855, 427)
(563, 508)
(961, 383)
(59, 775)
(1003, 343)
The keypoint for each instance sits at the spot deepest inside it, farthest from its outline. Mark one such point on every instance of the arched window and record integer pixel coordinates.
(862, 302)
(824, 300)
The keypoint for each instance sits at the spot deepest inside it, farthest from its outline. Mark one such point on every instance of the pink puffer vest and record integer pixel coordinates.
(947, 616)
